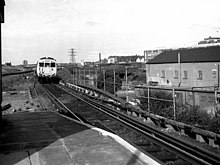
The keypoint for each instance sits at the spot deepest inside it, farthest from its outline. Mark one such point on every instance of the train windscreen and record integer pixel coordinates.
(53, 64)
(41, 64)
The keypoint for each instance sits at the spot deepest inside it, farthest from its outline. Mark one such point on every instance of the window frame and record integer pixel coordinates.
(163, 74)
(41, 64)
(176, 74)
(214, 73)
(185, 74)
(200, 75)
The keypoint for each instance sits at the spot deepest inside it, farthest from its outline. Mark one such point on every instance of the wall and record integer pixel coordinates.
(154, 71)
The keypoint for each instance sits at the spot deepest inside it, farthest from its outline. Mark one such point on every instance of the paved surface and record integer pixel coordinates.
(44, 138)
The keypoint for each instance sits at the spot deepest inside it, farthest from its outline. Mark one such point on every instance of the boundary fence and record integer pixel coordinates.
(208, 99)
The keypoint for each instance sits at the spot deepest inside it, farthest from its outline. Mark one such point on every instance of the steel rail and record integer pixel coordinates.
(186, 150)
(39, 99)
(60, 104)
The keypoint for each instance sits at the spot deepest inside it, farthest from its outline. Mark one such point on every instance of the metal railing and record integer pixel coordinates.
(178, 96)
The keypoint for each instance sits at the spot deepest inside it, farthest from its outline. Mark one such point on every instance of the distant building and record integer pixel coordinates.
(125, 59)
(8, 64)
(112, 59)
(104, 61)
(89, 64)
(150, 54)
(25, 63)
(210, 40)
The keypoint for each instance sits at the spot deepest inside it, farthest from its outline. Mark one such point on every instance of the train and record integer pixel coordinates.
(46, 70)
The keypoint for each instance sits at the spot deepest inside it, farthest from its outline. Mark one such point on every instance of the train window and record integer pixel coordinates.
(47, 64)
(41, 64)
(53, 64)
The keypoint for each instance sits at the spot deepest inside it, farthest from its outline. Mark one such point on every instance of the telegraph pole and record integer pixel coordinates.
(179, 62)
(218, 76)
(100, 67)
(72, 56)
(100, 63)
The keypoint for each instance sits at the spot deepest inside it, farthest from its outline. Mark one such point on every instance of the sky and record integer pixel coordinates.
(38, 28)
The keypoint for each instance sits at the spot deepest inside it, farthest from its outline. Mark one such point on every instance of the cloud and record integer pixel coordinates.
(91, 23)
(106, 26)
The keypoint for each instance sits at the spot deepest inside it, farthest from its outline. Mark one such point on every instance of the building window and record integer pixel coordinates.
(211, 99)
(200, 75)
(176, 74)
(41, 64)
(214, 73)
(203, 98)
(185, 74)
(190, 97)
(163, 74)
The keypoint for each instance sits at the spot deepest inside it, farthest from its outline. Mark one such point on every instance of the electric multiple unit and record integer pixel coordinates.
(46, 68)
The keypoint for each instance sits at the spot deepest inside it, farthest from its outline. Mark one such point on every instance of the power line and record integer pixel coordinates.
(72, 56)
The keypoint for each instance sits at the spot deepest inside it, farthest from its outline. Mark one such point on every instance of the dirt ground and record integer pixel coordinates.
(16, 92)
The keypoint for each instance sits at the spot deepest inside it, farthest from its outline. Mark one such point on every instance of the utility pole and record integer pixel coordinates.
(100, 67)
(100, 63)
(147, 66)
(72, 56)
(114, 83)
(218, 76)
(126, 83)
(179, 62)
(145, 61)
(93, 75)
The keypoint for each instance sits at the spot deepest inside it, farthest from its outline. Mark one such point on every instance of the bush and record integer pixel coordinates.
(214, 125)
(194, 116)
(159, 107)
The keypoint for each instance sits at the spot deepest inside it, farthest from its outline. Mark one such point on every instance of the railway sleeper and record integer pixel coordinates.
(143, 143)
(166, 156)
(152, 148)
(188, 131)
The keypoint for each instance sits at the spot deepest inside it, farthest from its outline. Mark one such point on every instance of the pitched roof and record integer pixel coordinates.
(126, 58)
(188, 55)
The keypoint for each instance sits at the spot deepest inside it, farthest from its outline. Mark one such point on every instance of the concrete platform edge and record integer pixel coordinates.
(140, 155)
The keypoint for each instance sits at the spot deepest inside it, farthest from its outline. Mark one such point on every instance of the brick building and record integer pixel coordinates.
(189, 67)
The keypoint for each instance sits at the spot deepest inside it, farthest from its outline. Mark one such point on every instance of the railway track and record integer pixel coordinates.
(149, 140)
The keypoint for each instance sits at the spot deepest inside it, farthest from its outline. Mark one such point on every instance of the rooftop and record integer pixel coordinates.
(188, 55)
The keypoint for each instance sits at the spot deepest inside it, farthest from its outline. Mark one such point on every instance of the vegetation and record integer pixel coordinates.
(9, 81)
(66, 74)
(132, 73)
(195, 116)
(156, 105)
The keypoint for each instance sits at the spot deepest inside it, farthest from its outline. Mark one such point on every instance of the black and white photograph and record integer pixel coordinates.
(110, 82)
